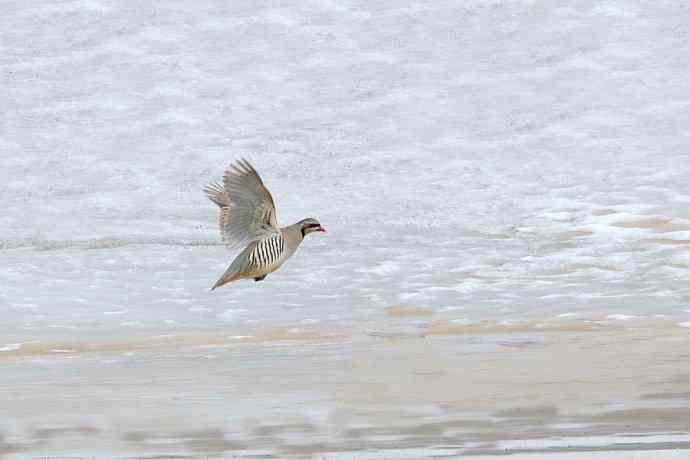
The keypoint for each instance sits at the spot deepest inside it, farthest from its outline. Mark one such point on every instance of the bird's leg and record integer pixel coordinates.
(259, 278)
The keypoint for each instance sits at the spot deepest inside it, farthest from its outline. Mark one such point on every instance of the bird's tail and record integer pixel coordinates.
(216, 193)
(231, 274)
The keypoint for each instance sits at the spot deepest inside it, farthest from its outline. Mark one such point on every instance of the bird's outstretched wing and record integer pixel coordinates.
(248, 212)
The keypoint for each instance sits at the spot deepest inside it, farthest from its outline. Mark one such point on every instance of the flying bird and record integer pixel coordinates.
(248, 218)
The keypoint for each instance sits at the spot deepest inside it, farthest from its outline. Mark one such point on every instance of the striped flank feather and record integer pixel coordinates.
(267, 252)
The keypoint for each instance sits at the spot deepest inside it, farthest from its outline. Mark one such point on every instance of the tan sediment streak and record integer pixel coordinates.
(658, 224)
(671, 242)
(168, 342)
(399, 311)
(444, 327)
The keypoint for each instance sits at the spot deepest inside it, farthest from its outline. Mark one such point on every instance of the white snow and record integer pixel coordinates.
(474, 153)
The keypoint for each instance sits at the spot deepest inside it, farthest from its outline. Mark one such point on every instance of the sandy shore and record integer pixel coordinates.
(327, 393)
(606, 455)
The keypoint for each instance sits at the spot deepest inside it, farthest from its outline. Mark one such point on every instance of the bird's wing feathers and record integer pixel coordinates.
(216, 193)
(248, 212)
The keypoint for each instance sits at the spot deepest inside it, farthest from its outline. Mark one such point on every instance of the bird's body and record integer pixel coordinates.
(248, 216)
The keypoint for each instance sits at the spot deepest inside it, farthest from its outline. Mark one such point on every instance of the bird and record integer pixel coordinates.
(248, 218)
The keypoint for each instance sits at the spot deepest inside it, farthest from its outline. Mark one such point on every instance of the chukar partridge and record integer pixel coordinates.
(248, 217)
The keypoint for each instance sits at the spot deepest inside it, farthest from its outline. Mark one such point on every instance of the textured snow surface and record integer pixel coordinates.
(488, 160)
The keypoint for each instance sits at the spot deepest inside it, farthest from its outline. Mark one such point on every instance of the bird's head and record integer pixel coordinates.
(310, 225)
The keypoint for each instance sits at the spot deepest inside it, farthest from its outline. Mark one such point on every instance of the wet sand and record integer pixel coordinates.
(288, 392)
(608, 455)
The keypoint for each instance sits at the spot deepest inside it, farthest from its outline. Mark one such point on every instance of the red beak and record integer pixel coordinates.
(321, 229)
